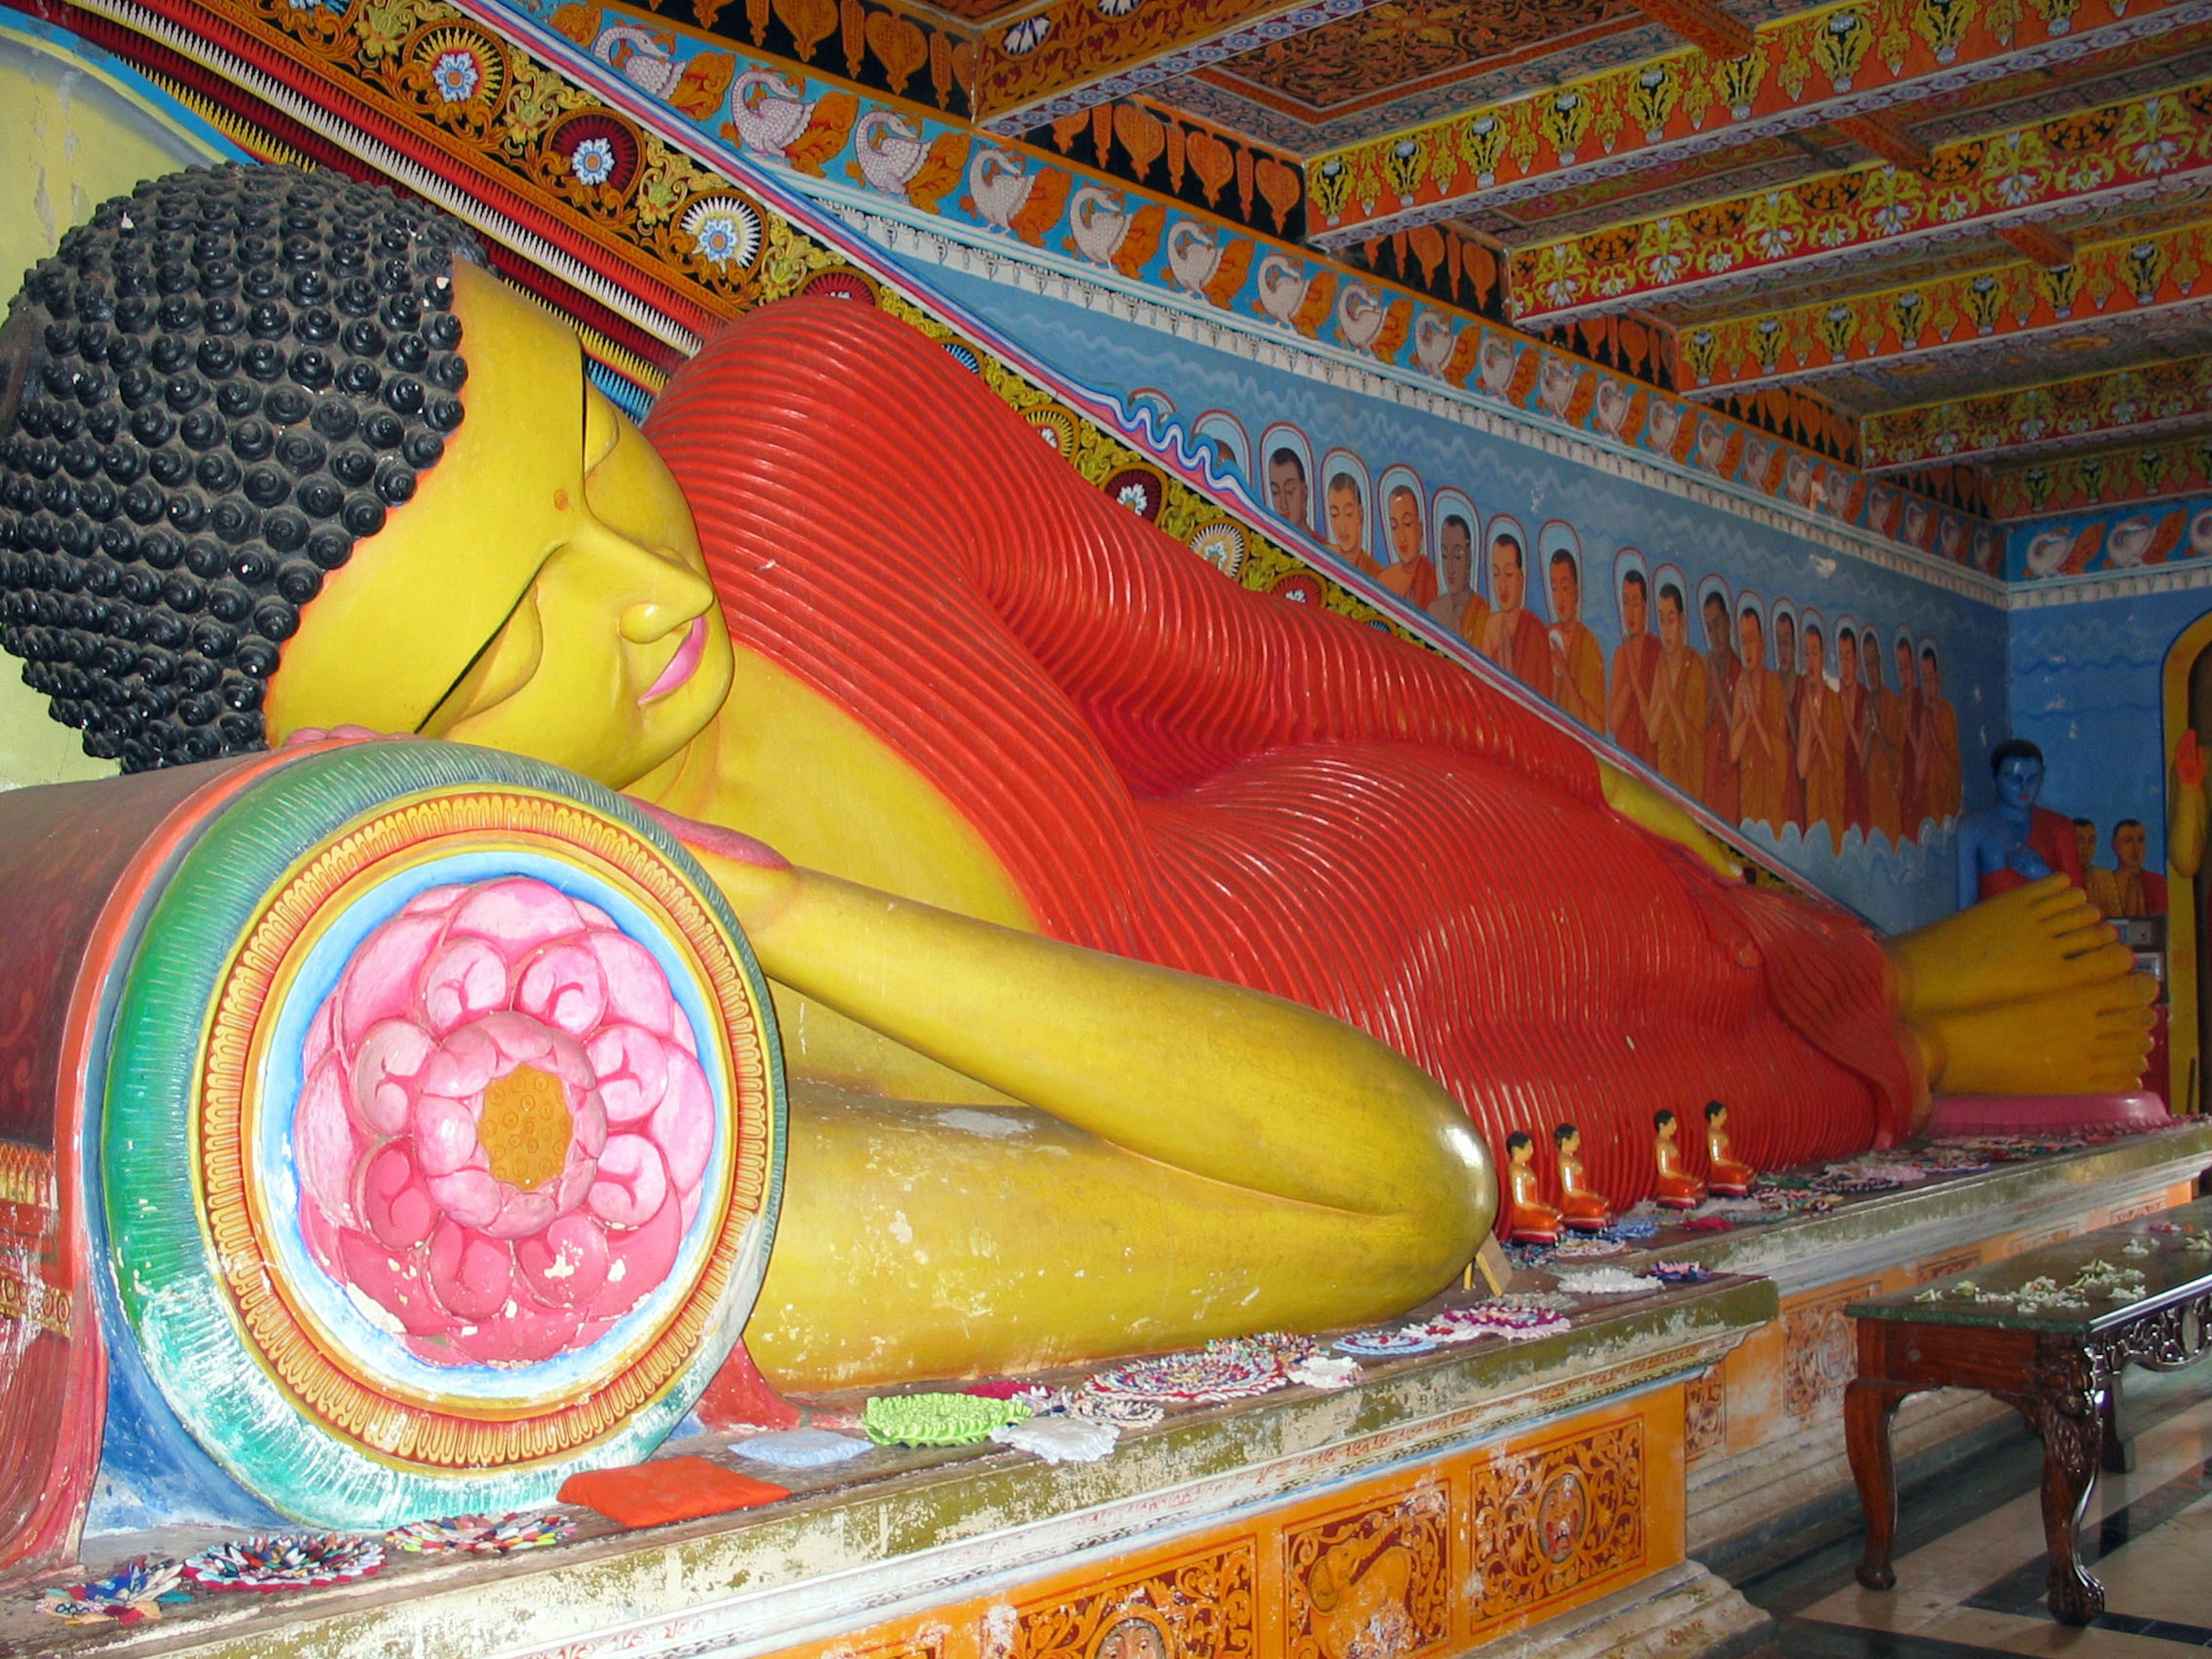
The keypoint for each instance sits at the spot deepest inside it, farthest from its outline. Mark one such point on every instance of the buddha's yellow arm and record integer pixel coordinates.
(1189, 1158)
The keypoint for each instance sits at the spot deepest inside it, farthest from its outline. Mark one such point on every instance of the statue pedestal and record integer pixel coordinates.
(2045, 1114)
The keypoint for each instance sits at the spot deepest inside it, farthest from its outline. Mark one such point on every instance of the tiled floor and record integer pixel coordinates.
(1969, 1561)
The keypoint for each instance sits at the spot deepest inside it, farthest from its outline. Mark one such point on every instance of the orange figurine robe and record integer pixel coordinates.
(1172, 769)
(1581, 1208)
(1723, 1175)
(1577, 666)
(1635, 670)
(1677, 1188)
(1527, 1218)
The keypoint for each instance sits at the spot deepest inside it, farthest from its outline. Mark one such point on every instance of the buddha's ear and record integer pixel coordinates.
(19, 340)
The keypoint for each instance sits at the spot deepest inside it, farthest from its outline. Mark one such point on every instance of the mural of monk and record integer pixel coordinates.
(1822, 741)
(1723, 668)
(1937, 750)
(1885, 750)
(1288, 489)
(1577, 661)
(1347, 525)
(1635, 666)
(1457, 605)
(1912, 766)
(1410, 575)
(2128, 889)
(1512, 635)
(1758, 729)
(1080, 839)
(1857, 704)
(1793, 691)
(1677, 712)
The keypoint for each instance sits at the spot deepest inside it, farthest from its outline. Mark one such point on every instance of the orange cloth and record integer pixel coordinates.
(1577, 679)
(1176, 769)
(1635, 664)
(1413, 580)
(2126, 893)
(1517, 642)
(1529, 1219)
(1793, 786)
(1723, 668)
(1911, 783)
(1940, 747)
(667, 1489)
(1884, 767)
(1579, 1207)
(1762, 752)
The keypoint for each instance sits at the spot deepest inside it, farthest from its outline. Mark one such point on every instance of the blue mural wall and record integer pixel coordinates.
(1236, 404)
(2087, 683)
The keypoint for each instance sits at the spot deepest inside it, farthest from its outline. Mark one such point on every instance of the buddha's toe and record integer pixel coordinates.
(2034, 941)
(2087, 1039)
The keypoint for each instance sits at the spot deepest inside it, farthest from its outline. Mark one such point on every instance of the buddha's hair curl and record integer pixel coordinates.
(208, 395)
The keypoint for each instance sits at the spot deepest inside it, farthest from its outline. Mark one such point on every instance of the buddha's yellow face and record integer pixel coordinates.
(542, 592)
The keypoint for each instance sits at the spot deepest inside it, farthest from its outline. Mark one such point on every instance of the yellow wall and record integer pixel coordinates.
(74, 133)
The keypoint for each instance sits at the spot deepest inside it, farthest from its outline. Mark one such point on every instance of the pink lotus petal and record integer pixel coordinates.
(569, 1062)
(632, 1183)
(446, 1136)
(637, 989)
(521, 1334)
(393, 1279)
(470, 1197)
(522, 1215)
(463, 1063)
(470, 1274)
(641, 1260)
(321, 1239)
(690, 1204)
(319, 1041)
(587, 1125)
(517, 913)
(323, 1147)
(464, 980)
(564, 986)
(396, 1204)
(390, 1057)
(633, 1069)
(684, 1127)
(519, 1039)
(378, 983)
(566, 1263)
(575, 1184)
(593, 915)
(434, 902)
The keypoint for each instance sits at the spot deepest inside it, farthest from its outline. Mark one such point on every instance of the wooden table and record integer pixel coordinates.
(2059, 1366)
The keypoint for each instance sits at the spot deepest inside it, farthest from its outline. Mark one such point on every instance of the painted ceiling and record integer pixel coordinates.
(1868, 214)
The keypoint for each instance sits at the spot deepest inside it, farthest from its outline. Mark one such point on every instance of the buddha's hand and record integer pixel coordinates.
(757, 879)
(2027, 861)
(2189, 761)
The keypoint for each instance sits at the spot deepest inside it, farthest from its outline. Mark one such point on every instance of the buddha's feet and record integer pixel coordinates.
(2029, 992)
(2033, 942)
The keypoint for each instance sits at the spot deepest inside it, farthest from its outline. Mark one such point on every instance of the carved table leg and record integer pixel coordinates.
(2072, 1421)
(1868, 1408)
(2119, 1450)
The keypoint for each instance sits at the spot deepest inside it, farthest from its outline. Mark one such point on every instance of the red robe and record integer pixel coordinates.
(1174, 768)
(2050, 834)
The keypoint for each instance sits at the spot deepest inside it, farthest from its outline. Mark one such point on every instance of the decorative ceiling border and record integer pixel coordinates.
(827, 142)
(2109, 477)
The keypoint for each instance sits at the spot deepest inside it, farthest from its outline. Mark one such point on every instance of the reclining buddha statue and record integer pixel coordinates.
(1154, 960)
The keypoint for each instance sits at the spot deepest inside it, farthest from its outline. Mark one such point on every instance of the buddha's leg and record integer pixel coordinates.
(929, 1241)
(2029, 993)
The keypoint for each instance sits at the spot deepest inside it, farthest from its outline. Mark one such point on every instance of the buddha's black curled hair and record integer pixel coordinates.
(207, 396)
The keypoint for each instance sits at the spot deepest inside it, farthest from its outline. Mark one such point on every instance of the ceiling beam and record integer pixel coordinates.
(1881, 133)
(1807, 69)
(2041, 243)
(2072, 483)
(1067, 56)
(1838, 220)
(1703, 24)
(2168, 274)
(2116, 407)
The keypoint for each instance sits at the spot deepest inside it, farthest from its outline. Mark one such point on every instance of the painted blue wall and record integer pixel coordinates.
(1121, 358)
(2087, 687)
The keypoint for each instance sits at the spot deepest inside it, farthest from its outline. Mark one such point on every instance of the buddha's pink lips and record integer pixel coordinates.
(683, 663)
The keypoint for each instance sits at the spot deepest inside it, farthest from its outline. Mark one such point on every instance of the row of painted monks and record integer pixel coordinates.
(1758, 739)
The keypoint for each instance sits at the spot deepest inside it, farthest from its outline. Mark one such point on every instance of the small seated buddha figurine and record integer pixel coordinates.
(1678, 1188)
(1529, 1219)
(1723, 1174)
(1580, 1208)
